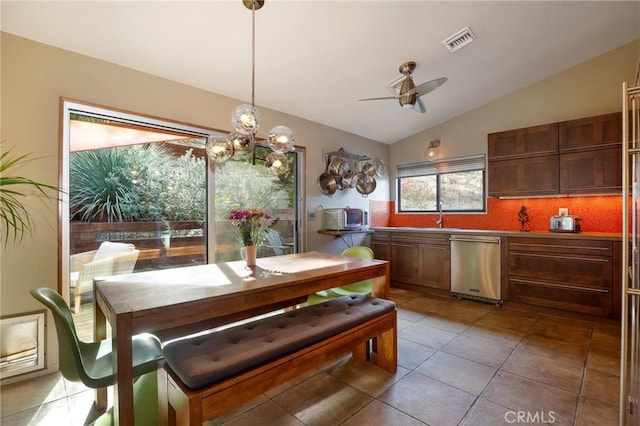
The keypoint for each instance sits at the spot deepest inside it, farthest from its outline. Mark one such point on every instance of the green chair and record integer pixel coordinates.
(361, 287)
(92, 362)
(145, 403)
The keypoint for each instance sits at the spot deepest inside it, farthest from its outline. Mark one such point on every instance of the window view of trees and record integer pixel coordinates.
(137, 183)
(461, 191)
(240, 185)
(162, 187)
(148, 183)
(418, 193)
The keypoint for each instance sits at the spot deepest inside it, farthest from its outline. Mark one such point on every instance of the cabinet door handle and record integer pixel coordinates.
(560, 256)
(563, 286)
(524, 246)
(469, 240)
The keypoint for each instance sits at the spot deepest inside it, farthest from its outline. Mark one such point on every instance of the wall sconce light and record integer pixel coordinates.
(432, 151)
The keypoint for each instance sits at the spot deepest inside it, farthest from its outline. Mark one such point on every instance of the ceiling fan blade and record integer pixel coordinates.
(376, 99)
(429, 86)
(419, 106)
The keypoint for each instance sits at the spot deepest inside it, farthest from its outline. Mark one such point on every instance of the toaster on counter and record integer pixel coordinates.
(565, 224)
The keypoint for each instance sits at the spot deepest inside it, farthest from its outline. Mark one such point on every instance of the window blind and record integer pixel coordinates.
(451, 165)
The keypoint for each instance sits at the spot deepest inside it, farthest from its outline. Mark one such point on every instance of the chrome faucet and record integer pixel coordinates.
(439, 221)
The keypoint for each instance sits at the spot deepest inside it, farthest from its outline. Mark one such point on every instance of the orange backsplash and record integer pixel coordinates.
(598, 213)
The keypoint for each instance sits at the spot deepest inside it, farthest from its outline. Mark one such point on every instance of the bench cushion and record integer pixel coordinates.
(203, 360)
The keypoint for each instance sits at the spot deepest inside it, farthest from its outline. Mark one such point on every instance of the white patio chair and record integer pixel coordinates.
(275, 242)
(109, 259)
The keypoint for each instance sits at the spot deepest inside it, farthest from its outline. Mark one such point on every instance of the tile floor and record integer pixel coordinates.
(460, 363)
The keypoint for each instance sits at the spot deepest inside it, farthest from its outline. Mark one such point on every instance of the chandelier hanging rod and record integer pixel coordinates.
(245, 120)
(253, 5)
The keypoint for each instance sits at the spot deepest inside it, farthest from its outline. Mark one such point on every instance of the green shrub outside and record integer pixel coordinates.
(149, 183)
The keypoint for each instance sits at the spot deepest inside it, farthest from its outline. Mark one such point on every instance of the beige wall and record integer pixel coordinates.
(33, 78)
(591, 88)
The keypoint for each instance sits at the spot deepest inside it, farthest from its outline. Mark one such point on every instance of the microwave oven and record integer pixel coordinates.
(345, 219)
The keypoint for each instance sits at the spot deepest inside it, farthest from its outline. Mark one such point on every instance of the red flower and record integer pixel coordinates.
(252, 224)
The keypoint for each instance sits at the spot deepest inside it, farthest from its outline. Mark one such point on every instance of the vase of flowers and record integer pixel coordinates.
(252, 225)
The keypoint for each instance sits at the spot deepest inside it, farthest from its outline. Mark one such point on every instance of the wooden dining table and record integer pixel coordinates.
(176, 302)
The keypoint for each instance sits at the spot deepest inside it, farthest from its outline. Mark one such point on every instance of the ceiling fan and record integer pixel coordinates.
(409, 95)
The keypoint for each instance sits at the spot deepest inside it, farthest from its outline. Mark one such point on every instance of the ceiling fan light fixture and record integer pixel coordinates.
(407, 96)
(406, 103)
(406, 91)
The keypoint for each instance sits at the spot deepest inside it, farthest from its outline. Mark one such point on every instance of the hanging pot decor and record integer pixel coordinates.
(327, 184)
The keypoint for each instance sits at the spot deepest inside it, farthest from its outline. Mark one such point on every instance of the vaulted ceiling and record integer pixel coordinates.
(315, 59)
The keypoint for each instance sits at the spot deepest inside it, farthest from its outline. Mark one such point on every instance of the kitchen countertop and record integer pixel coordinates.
(611, 236)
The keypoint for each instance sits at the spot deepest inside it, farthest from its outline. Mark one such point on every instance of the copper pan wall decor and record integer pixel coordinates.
(344, 170)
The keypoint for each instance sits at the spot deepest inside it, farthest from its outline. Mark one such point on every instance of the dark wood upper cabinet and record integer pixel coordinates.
(596, 171)
(591, 154)
(582, 156)
(530, 176)
(537, 140)
(524, 161)
(602, 131)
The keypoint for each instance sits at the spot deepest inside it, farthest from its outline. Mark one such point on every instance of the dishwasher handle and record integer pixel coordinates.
(474, 239)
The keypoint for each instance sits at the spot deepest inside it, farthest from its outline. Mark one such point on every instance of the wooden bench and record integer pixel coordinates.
(204, 376)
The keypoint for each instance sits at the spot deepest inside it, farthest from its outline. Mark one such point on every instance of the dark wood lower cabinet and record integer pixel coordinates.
(434, 268)
(379, 243)
(404, 262)
(419, 259)
(571, 274)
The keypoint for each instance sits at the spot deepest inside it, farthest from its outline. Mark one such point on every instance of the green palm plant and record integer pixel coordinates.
(99, 185)
(120, 184)
(15, 219)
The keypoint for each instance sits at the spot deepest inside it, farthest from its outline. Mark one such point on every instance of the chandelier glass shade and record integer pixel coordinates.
(219, 149)
(241, 142)
(245, 120)
(281, 139)
(277, 163)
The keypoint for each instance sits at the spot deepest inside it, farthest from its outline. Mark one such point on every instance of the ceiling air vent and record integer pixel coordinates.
(459, 39)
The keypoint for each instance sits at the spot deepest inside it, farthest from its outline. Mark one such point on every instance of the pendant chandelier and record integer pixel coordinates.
(245, 120)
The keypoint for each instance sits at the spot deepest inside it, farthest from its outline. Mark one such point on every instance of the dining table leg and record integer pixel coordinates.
(381, 286)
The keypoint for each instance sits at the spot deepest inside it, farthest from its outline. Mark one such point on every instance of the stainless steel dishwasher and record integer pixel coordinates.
(475, 267)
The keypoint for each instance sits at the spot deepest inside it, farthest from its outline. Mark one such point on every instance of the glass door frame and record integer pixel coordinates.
(68, 107)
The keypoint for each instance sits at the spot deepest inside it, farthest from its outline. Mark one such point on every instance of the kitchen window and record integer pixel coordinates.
(457, 183)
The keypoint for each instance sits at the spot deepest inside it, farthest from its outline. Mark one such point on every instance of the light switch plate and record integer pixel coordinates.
(563, 211)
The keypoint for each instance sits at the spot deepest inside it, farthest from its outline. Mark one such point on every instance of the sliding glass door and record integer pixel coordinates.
(137, 182)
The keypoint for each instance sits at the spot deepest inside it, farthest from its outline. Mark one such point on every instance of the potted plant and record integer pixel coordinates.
(15, 219)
